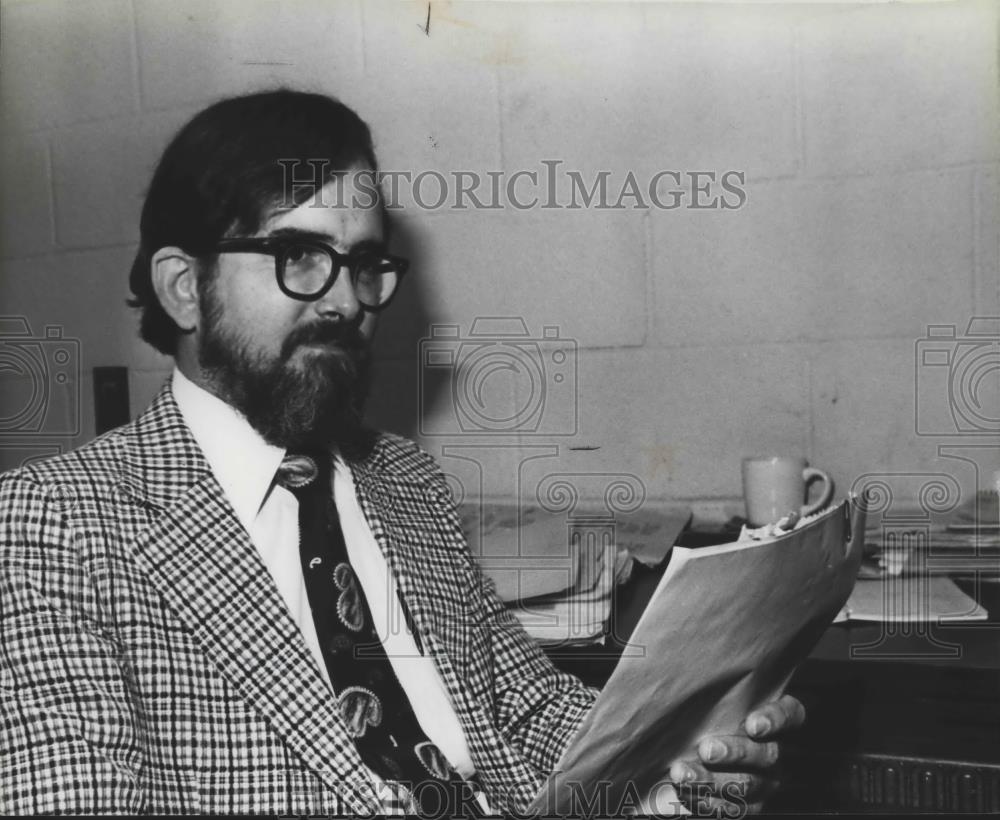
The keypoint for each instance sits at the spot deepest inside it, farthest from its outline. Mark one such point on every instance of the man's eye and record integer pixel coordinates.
(296, 253)
(366, 266)
(372, 265)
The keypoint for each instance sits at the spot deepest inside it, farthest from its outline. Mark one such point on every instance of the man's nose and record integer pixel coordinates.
(340, 300)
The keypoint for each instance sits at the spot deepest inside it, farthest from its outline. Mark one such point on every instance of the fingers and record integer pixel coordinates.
(775, 717)
(735, 786)
(736, 772)
(737, 753)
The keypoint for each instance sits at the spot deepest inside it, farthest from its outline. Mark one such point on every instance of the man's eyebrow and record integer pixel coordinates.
(300, 233)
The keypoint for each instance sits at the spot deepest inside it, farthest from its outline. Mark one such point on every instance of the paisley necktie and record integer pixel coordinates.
(373, 704)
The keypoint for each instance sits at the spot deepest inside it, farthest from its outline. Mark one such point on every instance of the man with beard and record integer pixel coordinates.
(244, 601)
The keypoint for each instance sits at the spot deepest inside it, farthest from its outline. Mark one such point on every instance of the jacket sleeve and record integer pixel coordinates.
(69, 732)
(538, 707)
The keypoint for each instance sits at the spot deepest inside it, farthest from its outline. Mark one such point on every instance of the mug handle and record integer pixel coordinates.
(810, 474)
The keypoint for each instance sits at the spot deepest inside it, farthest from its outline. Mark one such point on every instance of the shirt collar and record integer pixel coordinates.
(243, 463)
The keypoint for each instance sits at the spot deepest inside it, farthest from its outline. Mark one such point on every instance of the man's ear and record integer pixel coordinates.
(175, 280)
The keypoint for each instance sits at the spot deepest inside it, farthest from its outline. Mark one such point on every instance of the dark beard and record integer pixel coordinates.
(314, 405)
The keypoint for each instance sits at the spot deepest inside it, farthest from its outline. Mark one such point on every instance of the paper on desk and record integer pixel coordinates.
(910, 598)
(529, 552)
(722, 634)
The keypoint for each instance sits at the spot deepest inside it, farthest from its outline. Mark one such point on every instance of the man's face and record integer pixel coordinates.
(297, 370)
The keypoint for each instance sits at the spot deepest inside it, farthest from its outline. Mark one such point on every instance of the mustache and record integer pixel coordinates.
(345, 336)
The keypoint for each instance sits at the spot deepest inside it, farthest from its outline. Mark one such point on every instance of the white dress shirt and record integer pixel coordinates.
(244, 465)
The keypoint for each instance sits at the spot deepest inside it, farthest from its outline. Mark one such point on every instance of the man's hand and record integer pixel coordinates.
(734, 773)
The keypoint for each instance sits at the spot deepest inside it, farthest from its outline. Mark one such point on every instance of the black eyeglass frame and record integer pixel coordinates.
(278, 247)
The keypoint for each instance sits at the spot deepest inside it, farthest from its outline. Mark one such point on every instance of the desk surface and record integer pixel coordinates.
(901, 717)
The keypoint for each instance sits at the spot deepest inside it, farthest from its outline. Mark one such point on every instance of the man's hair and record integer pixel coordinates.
(221, 175)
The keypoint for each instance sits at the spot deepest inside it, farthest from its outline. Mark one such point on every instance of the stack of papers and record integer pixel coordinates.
(558, 572)
(966, 541)
(579, 615)
(980, 513)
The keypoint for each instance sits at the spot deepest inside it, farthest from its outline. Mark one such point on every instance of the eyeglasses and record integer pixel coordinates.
(307, 268)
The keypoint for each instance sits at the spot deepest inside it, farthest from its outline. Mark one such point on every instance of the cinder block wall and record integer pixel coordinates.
(867, 135)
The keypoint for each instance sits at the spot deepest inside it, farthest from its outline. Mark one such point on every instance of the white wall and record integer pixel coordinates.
(868, 135)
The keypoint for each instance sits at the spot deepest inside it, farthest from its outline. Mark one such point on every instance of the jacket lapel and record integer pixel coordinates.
(403, 523)
(206, 568)
(404, 516)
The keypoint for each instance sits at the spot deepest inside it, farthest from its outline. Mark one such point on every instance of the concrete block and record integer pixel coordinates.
(25, 196)
(63, 61)
(987, 249)
(872, 412)
(886, 87)
(479, 462)
(581, 271)
(96, 194)
(83, 294)
(681, 420)
(453, 394)
(431, 96)
(195, 52)
(102, 172)
(650, 87)
(823, 260)
(491, 468)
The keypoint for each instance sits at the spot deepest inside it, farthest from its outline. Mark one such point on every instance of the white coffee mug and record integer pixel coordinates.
(774, 486)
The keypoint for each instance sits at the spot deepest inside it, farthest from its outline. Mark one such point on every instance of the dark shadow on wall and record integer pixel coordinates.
(393, 402)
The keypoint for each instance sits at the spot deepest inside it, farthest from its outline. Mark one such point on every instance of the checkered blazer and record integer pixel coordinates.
(148, 662)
